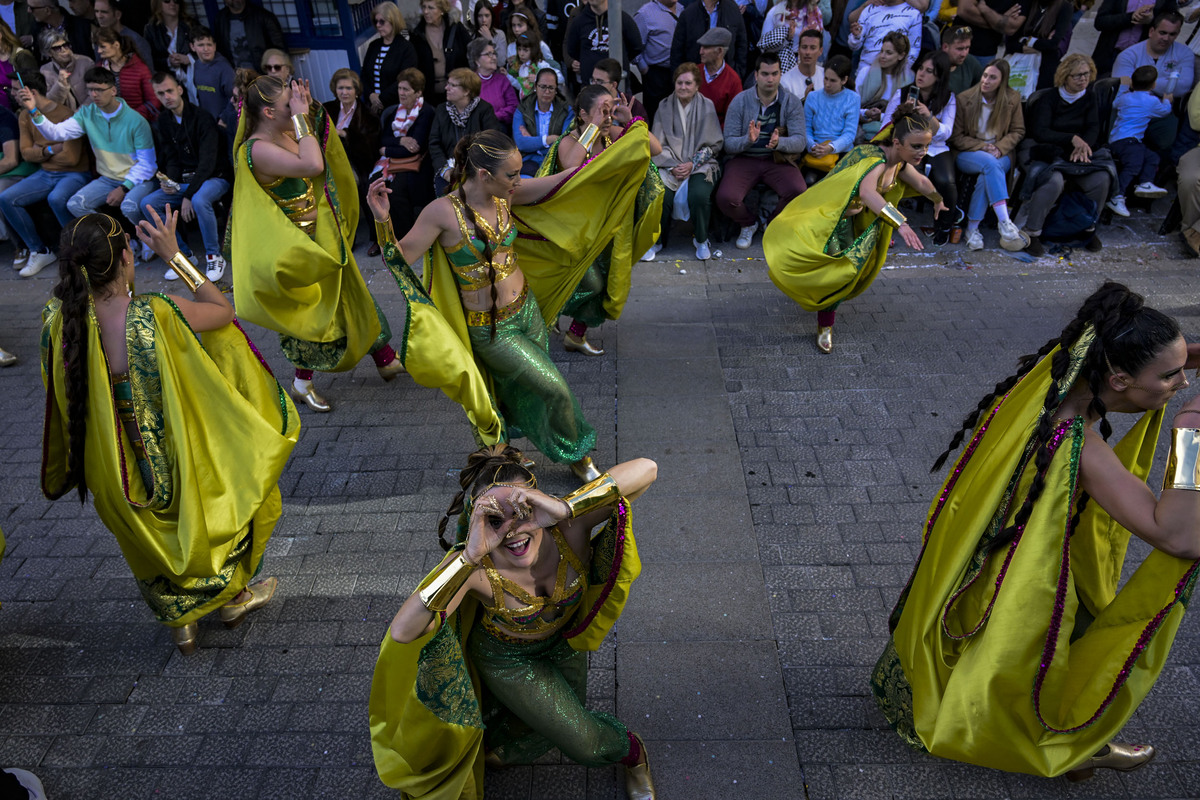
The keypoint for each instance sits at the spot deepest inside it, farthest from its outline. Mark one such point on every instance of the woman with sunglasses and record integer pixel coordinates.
(64, 70)
(388, 54)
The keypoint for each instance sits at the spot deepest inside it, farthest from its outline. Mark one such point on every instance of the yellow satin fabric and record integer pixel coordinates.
(972, 697)
(306, 288)
(803, 258)
(224, 417)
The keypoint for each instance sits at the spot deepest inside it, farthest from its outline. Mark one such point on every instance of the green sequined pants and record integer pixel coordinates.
(586, 303)
(531, 393)
(534, 702)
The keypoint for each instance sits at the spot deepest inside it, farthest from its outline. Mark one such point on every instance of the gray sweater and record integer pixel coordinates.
(746, 107)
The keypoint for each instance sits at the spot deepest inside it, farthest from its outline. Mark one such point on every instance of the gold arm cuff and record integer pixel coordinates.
(934, 198)
(300, 126)
(892, 216)
(187, 270)
(440, 586)
(384, 234)
(596, 494)
(1183, 460)
(588, 136)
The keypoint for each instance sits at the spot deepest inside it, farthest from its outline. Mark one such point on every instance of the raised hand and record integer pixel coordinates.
(159, 235)
(377, 199)
(301, 97)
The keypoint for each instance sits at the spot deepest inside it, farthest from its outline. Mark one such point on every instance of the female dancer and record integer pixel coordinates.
(485, 647)
(140, 412)
(1014, 646)
(830, 242)
(295, 272)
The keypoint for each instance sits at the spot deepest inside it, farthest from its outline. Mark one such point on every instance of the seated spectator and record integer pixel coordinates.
(485, 25)
(988, 125)
(211, 74)
(441, 45)
(806, 74)
(1175, 64)
(120, 139)
(686, 126)
(1136, 163)
(405, 151)
(993, 21)
(696, 20)
(133, 76)
(607, 73)
(1189, 183)
(257, 30)
(761, 122)
(277, 64)
(1122, 24)
(541, 118)
(464, 112)
(169, 34)
(721, 84)
(1058, 150)
(965, 69)
(785, 23)
(108, 15)
(62, 171)
(193, 160)
(831, 117)
(1048, 31)
(871, 22)
(495, 88)
(49, 15)
(64, 70)
(388, 54)
(10, 160)
(13, 57)
(889, 72)
(932, 88)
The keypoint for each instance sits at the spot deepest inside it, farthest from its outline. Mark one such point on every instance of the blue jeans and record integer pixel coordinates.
(91, 197)
(1136, 163)
(203, 201)
(54, 187)
(992, 188)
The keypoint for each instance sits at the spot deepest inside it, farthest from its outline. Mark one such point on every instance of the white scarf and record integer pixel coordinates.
(1070, 98)
(405, 118)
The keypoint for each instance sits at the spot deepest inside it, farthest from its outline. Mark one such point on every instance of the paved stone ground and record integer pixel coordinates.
(791, 493)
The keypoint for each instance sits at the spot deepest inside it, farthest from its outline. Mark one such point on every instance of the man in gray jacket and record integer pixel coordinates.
(760, 123)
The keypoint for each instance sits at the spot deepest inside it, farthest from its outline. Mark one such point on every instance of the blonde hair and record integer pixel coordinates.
(391, 12)
(1071, 63)
(275, 51)
(469, 79)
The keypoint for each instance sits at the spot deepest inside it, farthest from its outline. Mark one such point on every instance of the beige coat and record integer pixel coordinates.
(966, 123)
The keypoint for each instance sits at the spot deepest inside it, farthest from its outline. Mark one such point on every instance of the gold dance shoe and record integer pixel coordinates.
(580, 344)
(185, 638)
(390, 370)
(312, 400)
(7, 359)
(234, 614)
(638, 783)
(1122, 757)
(585, 470)
(825, 338)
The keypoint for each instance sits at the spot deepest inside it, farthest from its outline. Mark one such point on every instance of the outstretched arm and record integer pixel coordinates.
(425, 231)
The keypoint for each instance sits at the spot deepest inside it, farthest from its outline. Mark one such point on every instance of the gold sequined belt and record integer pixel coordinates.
(478, 319)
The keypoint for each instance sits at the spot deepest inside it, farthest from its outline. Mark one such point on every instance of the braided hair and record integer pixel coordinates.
(89, 262)
(260, 94)
(499, 462)
(1128, 336)
(907, 120)
(486, 150)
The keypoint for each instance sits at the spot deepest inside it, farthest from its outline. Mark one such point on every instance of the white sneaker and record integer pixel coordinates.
(215, 265)
(37, 262)
(21, 258)
(1117, 205)
(147, 255)
(746, 236)
(170, 275)
(1012, 238)
(703, 250)
(1149, 189)
(652, 252)
(975, 240)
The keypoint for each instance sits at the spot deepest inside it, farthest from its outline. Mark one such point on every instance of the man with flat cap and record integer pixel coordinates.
(721, 84)
(700, 17)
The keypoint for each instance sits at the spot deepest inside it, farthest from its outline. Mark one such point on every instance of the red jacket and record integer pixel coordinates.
(134, 87)
(722, 90)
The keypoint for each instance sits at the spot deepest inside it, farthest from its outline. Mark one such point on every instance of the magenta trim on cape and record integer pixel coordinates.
(622, 515)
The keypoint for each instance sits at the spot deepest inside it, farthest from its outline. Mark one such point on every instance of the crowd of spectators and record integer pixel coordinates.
(752, 101)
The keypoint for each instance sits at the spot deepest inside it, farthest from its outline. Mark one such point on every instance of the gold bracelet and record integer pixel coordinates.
(440, 586)
(300, 126)
(1183, 460)
(587, 137)
(187, 270)
(593, 495)
(384, 233)
(892, 216)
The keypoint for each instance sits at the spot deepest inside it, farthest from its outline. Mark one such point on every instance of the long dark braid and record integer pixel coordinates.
(501, 462)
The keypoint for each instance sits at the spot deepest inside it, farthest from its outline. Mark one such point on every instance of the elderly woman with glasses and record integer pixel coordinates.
(64, 71)
(494, 85)
(278, 64)
(389, 54)
(542, 118)
(463, 113)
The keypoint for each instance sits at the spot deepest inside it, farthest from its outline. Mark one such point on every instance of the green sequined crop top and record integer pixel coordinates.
(294, 196)
(466, 257)
(538, 615)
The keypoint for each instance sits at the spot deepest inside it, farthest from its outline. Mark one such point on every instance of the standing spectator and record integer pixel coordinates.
(761, 122)
(806, 74)
(558, 19)
(993, 22)
(463, 113)
(1122, 24)
(108, 15)
(84, 9)
(1189, 183)
(278, 64)
(486, 25)
(1059, 149)
(194, 160)
(389, 54)
(528, 62)
(988, 126)
(359, 131)
(63, 171)
(530, 10)
(700, 16)
(542, 118)
(169, 33)
(405, 151)
(1175, 64)
(1136, 163)
(1047, 31)
(721, 84)
(245, 31)
(133, 76)
(17, 15)
(871, 22)
(831, 116)
(212, 76)
(656, 22)
(120, 139)
(587, 39)
(889, 72)
(228, 118)
(965, 69)
(441, 45)
(49, 15)
(607, 73)
(64, 70)
(495, 87)
(785, 24)
(13, 57)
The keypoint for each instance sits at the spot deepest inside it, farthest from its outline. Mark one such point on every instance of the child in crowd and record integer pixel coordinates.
(1136, 163)
(210, 75)
(831, 116)
(525, 65)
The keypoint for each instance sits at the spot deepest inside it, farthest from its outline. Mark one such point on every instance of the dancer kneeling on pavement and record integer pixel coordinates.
(1015, 644)
(179, 437)
(486, 663)
(830, 242)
